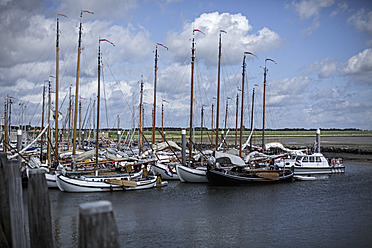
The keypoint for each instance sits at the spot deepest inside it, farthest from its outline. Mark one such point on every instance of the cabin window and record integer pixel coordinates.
(311, 159)
(305, 160)
(318, 160)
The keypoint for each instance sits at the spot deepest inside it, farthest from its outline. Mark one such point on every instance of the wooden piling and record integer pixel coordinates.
(12, 211)
(5, 234)
(39, 215)
(97, 227)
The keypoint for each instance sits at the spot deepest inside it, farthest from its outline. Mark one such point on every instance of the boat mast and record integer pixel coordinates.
(263, 115)
(242, 106)
(201, 124)
(99, 93)
(5, 125)
(242, 110)
(42, 126)
(218, 89)
(252, 117)
(192, 91)
(236, 120)
(140, 122)
(77, 88)
(57, 86)
(98, 98)
(154, 110)
(49, 131)
(227, 108)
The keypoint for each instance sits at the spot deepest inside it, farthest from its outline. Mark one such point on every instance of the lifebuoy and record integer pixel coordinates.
(333, 162)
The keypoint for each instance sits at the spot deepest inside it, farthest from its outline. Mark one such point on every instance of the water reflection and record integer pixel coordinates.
(331, 211)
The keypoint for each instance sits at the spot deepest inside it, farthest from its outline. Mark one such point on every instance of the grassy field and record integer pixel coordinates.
(176, 135)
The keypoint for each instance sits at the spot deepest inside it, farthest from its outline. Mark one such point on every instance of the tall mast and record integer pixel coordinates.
(5, 125)
(49, 131)
(236, 120)
(242, 110)
(252, 116)
(98, 98)
(154, 110)
(227, 109)
(218, 89)
(263, 115)
(57, 82)
(99, 93)
(140, 122)
(77, 87)
(42, 126)
(242, 106)
(57, 77)
(201, 124)
(192, 90)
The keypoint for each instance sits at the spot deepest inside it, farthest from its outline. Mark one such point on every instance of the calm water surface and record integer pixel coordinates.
(333, 212)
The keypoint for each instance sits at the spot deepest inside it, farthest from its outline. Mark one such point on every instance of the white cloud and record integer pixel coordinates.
(325, 68)
(360, 63)
(362, 21)
(287, 91)
(307, 9)
(237, 40)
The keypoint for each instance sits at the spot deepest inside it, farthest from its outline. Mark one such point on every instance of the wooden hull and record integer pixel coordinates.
(190, 175)
(225, 177)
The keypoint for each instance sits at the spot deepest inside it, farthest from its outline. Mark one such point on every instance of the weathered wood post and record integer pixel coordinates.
(12, 211)
(39, 215)
(5, 234)
(97, 227)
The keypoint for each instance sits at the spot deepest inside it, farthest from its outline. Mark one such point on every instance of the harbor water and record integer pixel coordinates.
(335, 211)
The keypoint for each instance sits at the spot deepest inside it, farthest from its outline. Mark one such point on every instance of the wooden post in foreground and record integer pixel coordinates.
(97, 227)
(12, 211)
(5, 234)
(39, 215)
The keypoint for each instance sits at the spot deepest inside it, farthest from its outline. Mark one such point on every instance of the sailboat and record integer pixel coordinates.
(163, 166)
(228, 169)
(187, 173)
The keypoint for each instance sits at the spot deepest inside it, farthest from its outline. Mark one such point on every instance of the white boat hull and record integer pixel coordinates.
(166, 171)
(190, 175)
(80, 185)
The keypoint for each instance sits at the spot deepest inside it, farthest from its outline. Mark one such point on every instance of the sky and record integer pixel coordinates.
(322, 77)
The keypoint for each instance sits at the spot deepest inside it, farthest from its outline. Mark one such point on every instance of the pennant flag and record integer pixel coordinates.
(270, 60)
(107, 41)
(239, 89)
(250, 54)
(162, 45)
(86, 11)
(165, 101)
(229, 98)
(223, 31)
(52, 76)
(62, 15)
(197, 30)
(255, 84)
(145, 103)
(83, 98)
